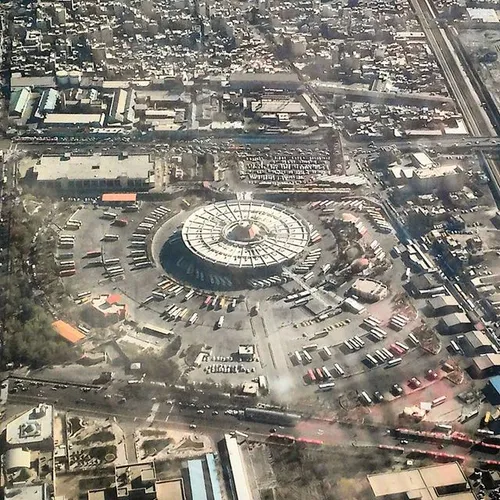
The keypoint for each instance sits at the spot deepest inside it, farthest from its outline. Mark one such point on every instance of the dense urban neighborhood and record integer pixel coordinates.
(249, 249)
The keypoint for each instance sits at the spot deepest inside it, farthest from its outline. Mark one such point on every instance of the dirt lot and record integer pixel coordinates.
(326, 474)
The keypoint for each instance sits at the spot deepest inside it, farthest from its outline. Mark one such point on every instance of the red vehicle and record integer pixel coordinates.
(414, 382)
(311, 375)
(396, 349)
(120, 222)
(431, 375)
(208, 301)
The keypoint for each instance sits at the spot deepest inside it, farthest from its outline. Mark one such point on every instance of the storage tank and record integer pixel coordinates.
(75, 78)
(62, 78)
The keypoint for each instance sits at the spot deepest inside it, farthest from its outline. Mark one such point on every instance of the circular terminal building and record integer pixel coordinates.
(245, 237)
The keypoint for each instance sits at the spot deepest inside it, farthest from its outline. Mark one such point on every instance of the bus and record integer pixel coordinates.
(393, 362)
(327, 353)
(365, 398)
(396, 349)
(311, 375)
(377, 335)
(186, 203)
(141, 265)
(380, 356)
(308, 276)
(371, 360)
(455, 347)
(298, 357)
(136, 253)
(150, 220)
(396, 325)
(84, 329)
(158, 295)
(156, 330)
(444, 427)
(487, 418)
(372, 319)
(402, 317)
(67, 263)
(326, 372)
(402, 346)
(310, 347)
(438, 401)
(143, 230)
(339, 369)
(114, 260)
(327, 386)
(110, 237)
(387, 353)
(307, 357)
(207, 301)
(188, 296)
(81, 295)
(360, 341)
(357, 346)
(120, 222)
(193, 319)
(109, 215)
(485, 432)
(92, 254)
(137, 244)
(348, 345)
(381, 332)
(319, 374)
(413, 339)
(67, 272)
(65, 255)
(131, 208)
(220, 322)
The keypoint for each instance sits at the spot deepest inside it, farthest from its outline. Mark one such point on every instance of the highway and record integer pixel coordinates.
(461, 87)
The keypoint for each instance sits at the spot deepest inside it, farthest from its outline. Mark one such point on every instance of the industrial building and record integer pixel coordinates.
(245, 236)
(369, 290)
(92, 173)
(492, 390)
(444, 304)
(203, 479)
(446, 482)
(455, 323)
(476, 343)
(425, 285)
(234, 468)
(485, 366)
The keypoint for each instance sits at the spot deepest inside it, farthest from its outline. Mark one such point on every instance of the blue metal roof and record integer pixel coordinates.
(214, 480)
(495, 383)
(197, 480)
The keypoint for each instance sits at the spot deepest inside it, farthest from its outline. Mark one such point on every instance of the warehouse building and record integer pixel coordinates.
(476, 343)
(439, 306)
(203, 480)
(92, 173)
(446, 482)
(492, 390)
(425, 285)
(455, 323)
(19, 101)
(234, 469)
(485, 366)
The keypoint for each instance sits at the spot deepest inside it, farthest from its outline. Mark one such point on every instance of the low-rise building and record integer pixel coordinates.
(34, 429)
(92, 173)
(446, 178)
(444, 304)
(455, 323)
(485, 366)
(446, 482)
(477, 343)
(425, 285)
(369, 290)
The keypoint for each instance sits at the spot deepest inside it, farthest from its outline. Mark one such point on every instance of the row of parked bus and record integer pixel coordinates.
(305, 266)
(65, 260)
(268, 282)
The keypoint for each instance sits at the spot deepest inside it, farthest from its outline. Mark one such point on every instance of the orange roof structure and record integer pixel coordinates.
(68, 332)
(114, 299)
(119, 197)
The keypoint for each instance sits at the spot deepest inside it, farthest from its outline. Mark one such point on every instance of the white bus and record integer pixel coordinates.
(372, 360)
(307, 357)
(413, 339)
(378, 336)
(111, 237)
(327, 386)
(365, 398)
(220, 322)
(348, 345)
(150, 220)
(327, 352)
(455, 347)
(136, 243)
(359, 340)
(158, 295)
(298, 357)
(141, 265)
(380, 356)
(387, 353)
(374, 320)
(403, 346)
(394, 362)
(382, 332)
(438, 401)
(327, 372)
(136, 253)
(113, 260)
(109, 215)
(193, 318)
(310, 347)
(339, 369)
(309, 276)
(357, 346)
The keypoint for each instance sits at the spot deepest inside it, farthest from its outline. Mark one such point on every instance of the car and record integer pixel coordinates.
(397, 390)
(215, 412)
(431, 375)
(404, 441)
(192, 426)
(414, 382)
(200, 412)
(273, 430)
(378, 396)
